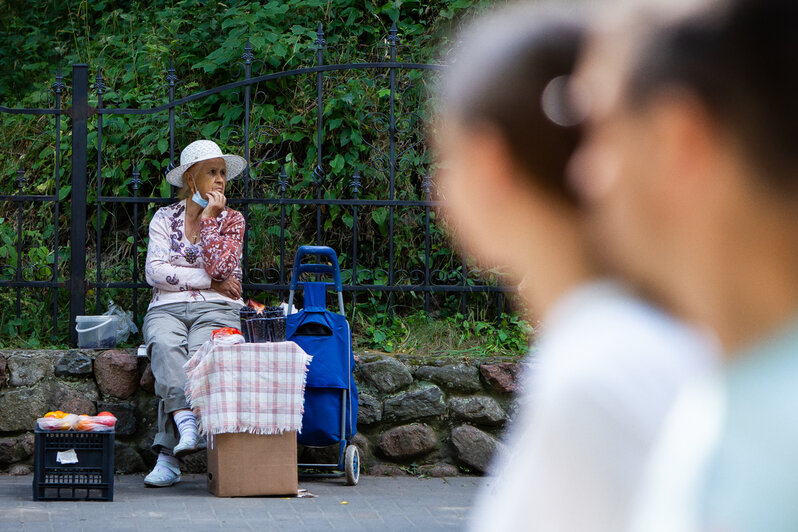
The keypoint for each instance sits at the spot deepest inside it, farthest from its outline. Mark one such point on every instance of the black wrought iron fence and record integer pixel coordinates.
(366, 208)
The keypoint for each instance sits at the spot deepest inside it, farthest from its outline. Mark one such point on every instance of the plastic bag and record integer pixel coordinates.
(58, 423)
(227, 336)
(125, 321)
(95, 423)
(284, 306)
(84, 423)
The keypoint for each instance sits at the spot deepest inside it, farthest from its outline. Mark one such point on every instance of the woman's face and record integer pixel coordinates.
(209, 176)
(632, 172)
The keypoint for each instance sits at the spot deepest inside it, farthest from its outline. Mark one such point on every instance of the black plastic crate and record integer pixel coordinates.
(91, 478)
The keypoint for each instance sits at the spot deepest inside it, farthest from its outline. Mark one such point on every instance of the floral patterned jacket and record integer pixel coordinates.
(181, 272)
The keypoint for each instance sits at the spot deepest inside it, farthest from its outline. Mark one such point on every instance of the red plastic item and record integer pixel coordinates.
(224, 331)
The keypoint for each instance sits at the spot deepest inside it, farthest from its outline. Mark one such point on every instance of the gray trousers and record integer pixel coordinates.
(173, 333)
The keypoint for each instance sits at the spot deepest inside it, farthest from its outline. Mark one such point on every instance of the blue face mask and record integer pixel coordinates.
(199, 200)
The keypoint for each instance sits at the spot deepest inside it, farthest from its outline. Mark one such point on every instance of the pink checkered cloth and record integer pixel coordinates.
(257, 388)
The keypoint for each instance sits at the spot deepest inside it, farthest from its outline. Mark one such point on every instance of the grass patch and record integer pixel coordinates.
(456, 335)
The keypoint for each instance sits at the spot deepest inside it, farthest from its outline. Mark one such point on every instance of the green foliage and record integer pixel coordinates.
(420, 334)
(133, 44)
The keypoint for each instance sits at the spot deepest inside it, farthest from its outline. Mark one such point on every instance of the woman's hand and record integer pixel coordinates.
(230, 287)
(216, 203)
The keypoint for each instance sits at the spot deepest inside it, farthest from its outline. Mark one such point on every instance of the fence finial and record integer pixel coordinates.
(58, 86)
(171, 76)
(248, 56)
(283, 180)
(355, 184)
(320, 41)
(427, 184)
(21, 180)
(393, 35)
(136, 181)
(99, 82)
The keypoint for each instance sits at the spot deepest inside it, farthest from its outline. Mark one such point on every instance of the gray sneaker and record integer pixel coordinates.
(162, 475)
(187, 445)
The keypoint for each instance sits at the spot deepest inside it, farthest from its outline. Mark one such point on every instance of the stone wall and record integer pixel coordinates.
(417, 415)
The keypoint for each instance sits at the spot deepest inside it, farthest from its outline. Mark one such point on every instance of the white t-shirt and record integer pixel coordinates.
(607, 369)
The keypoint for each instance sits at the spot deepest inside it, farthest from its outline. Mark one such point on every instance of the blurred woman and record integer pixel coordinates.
(699, 207)
(193, 262)
(608, 365)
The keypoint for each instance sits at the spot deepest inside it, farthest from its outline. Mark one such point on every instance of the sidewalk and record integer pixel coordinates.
(376, 503)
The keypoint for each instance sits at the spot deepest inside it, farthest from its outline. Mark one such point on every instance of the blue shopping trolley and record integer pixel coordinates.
(330, 415)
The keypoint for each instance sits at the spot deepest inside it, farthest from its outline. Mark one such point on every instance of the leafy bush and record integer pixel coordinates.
(132, 45)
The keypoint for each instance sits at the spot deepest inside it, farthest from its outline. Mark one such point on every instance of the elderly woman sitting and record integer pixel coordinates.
(193, 266)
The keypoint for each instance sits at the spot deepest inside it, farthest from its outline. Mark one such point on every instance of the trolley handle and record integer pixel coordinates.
(326, 269)
(321, 251)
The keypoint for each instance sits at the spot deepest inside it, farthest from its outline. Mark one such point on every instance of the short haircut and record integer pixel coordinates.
(739, 58)
(501, 70)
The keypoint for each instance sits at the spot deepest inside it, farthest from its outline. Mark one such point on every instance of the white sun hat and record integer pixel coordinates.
(202, 150)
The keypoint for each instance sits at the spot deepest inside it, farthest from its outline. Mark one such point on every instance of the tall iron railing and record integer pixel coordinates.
(426, 280)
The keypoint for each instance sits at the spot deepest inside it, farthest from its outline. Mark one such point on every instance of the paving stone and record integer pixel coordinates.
(73, 364)
(196, 463)
(474, 447)
(72, 400)
(20, 470)
(439, 470)
(479, 409)
(387, 375)
(368, 356)
(117, 373)
(362, 444)
(126, 459)
(37, 527)
(512, 409)
(20, 408)
(320, 455)
(147, 381)
(27, 444)
(146, 412)
(144, 446)
(28, 369)
(416, 404)
(458, 377)
(9, 453)
(408, 441)
(369, 409)
(125, 416)
(502, 376)
(317, 523)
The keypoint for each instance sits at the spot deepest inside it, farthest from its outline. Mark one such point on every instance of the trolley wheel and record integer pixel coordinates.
(352, 465)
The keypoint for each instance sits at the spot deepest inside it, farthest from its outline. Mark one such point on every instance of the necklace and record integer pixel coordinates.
(192, 233)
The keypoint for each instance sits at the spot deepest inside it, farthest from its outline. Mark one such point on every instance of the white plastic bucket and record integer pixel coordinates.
(97, 332)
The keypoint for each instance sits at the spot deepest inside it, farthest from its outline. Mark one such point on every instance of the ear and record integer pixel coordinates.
(690, 140)
(188, 178)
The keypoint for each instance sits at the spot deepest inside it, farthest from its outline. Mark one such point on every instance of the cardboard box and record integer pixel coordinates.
(243, 464)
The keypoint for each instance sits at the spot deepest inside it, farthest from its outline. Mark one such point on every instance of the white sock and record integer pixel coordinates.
(186, 423)
(166, 457)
